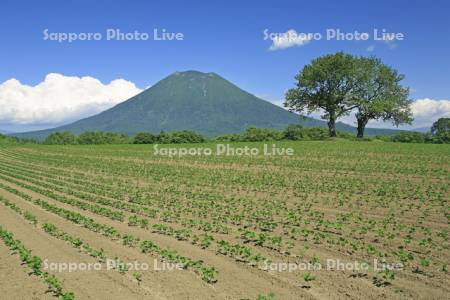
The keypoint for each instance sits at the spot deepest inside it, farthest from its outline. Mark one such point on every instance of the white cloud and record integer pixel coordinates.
(60, 99)
(370, 48)
(427, 111)
(289, 39)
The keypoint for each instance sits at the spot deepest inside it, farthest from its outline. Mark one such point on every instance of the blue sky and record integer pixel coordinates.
(225, 37)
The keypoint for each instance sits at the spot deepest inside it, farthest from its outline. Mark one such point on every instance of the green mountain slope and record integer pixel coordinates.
(204, 102)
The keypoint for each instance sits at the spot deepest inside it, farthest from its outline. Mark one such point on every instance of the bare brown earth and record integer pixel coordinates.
(16, 283)
(242, 187)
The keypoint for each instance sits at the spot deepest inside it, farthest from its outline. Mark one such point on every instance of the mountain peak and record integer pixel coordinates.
(193, 73)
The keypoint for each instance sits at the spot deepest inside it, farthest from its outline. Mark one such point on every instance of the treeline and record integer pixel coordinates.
(292, 132)
(439, 134)
(252, 134)
(101, 137)
(8, 140)
(86, 138)
(299, 133)
(417, 137)
(175, 137)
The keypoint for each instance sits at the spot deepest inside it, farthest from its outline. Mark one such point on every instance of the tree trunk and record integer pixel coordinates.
(362, 122)
(332, 125)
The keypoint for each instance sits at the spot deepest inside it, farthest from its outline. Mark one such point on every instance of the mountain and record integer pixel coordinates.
(203, 102)
(422, 129)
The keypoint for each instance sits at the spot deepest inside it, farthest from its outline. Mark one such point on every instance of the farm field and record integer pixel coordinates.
(337, 220)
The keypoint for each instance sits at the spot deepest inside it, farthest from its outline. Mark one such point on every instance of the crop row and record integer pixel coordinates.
(273, 242)
(208, 274)
(35, 264)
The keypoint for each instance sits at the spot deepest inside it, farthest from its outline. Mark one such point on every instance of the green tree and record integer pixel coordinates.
(114, 138)
(327, 84)
(441, 126)
(254, 134)
(409, 137)
(441, 130)
(185, 136)
(100, 137)
(378, 94)
(163, 138)
(60, 138)
(144, 138)
(315, 133)
(293, 132)
(4, 139)
(90, 138)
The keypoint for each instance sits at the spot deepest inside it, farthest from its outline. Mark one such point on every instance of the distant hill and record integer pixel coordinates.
(2, 131)
(204, 102)
(422, 129)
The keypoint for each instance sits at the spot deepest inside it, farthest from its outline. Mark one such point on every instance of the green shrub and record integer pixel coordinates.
(145, 138)
(409, 137)
(61, 138)
(254, 134)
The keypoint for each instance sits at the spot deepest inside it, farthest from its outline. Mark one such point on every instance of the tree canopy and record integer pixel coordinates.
(441, 126)
(378, 94)
(338, 84)
(61, 138)
(145, 138)
(325, 84)
(441, 129)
